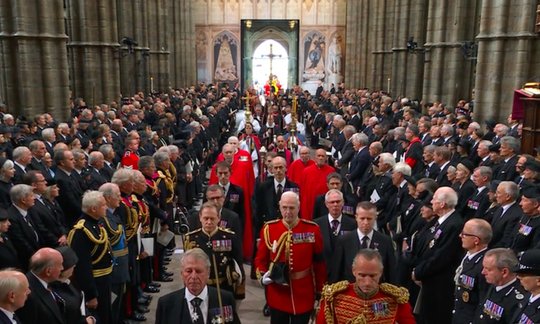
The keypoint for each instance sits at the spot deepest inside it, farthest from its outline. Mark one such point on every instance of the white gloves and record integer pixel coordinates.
(266, 279)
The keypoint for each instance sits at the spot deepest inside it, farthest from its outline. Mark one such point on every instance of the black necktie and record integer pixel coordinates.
(365, 242)
(335, 226)
(279, 191)
(31, 227)
(198, 316)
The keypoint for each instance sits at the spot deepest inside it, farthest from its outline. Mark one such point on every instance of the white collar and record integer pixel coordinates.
(9, 314)
(203, 295)
(445, 217)
(330, 219)
(22, 211)
(282, 183)
(499, 288)
(361, 235)
(472, 255)
(532, 299)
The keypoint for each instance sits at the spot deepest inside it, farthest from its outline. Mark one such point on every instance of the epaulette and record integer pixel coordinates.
(272, 221)
(227, 230)
(329, 291)
(400, 294)
(308, 221)
(195, 231)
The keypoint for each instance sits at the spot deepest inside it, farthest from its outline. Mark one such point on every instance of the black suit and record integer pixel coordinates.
(40, 307)
(266, 202)
(347, 225)
(432, 171)
(107, 171)
(436, 269)
(359, 164)
(23, 236)
(356, 121)
(4, 319)
(349, 244)
(504, 226)
(96, 179)
(70, 196)
(347, 153)
(8, 254)
(507, 171)
(19, 173)
(39, 166)
(477, 205)
(46, 215)
(234, 200)
(464, 192)
(173, 308)
(442, 178)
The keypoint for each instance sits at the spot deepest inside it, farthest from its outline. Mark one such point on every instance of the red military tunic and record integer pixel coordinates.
(340, 303)
(301, 249)
(241, 175)
(130, 160)
(313, 184)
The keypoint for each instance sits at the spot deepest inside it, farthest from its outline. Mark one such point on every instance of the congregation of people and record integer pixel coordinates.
(350, 206)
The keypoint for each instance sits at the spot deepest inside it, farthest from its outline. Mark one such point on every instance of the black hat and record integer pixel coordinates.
(69, 256)
(532, 165)
(410, 180)
(493, 185)
(465, 144)
(494, 148)
(427, 201)
(51, 182)
(467, 164)
(3, 214)
(2, 161)
(529, 263)
(402, 138)
(531, 192)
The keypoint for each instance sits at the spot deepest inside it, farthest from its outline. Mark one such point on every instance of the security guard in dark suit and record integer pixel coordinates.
(222, 247)
(505, 296)
(528, 271)
(470, 283)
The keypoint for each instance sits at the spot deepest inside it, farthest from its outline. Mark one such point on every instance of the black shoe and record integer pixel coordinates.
(144, 302)
(167, 273)
(165, 279)
(143, 309)
(266, 310)
(166, 259)
(146, 296)
(151, 289)
(138, 317)
(155, 284)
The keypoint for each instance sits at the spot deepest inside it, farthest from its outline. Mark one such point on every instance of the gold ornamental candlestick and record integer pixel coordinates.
(247, 107)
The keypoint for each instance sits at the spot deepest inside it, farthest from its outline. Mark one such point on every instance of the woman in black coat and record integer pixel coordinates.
(70, 296)
(7, 171)
(8, 254)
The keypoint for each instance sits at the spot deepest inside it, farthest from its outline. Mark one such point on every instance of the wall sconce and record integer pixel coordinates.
(469, 50)
(248, 24)
(412, 46)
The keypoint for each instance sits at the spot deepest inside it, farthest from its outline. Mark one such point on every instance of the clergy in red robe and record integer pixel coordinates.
(313, 183)
(241, 175)
(294, 172)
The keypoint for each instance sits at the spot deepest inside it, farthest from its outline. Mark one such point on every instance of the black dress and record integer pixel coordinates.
(5, 200)
(72, 300)
(8, 254)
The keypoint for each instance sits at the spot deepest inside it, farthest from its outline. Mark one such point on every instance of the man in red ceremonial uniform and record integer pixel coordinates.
(313, 183)
(294, 172)
(365, 300)
(130, 159)
(241, 175)
(290, 263)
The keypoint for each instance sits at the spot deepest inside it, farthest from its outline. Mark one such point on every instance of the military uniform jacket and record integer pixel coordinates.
(342, 302)
(470, 289)
(528, 233)
(500, 306)
(301, 249)
(530, 313)
(225, 246)
(90, 241)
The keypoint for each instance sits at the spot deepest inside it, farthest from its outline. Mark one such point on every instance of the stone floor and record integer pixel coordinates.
(249, 309)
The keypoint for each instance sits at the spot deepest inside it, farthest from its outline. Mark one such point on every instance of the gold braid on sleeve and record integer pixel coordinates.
(400, 294)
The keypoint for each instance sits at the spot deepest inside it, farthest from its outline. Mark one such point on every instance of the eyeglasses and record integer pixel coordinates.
(463, 234)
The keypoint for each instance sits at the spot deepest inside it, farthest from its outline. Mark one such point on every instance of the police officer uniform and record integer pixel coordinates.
(529, 264)
(528, 229)
(500, 306)
(470, 287)
(225, 253)
(90, 241)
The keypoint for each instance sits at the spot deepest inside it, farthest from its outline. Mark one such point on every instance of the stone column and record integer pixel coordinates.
(33, 57)
(93, 47)
(508, 55)
(182, 44)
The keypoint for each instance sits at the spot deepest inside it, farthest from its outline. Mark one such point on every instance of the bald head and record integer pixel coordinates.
(46, 263)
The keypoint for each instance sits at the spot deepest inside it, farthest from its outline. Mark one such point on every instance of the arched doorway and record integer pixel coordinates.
(270, 56)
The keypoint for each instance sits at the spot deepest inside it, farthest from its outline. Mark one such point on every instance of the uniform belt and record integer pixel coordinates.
(102, 272)
(214, 281)
(299, 274)
(121, 252)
